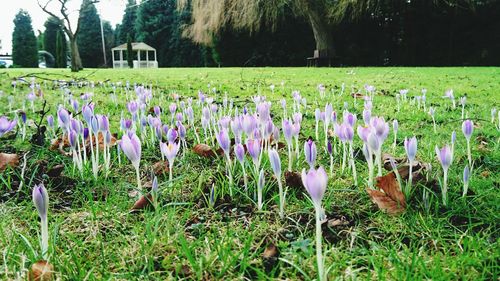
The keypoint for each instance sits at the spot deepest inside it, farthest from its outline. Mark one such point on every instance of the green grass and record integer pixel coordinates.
(93, 235)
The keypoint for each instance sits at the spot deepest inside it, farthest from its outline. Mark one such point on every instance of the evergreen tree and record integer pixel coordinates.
(89, 36)
(60, 50)
(52, 27)
(130, 52)
(109, 39)
(24, 42)
(127, 26)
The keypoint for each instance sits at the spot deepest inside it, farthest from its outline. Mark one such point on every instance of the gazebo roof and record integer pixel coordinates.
(136, 46)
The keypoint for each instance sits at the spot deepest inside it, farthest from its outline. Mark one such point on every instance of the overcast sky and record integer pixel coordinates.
(110, 10)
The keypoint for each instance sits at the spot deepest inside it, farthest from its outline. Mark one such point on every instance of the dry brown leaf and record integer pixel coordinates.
(41, 271)
(143, 202)
(55, 171)
(204, 150)
(391, 200)
(357, 95)
(270, 256)
(338, 222)
(8, 160)
(61, 143)
(160, 168)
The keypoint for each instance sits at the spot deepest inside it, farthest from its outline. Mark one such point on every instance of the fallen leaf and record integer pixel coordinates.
(338, 222)
(204, 150)
(41, 271)
(270, 256)
(390, 199)
(357, 95)
(8, 160)
(160, 168)
(55, 171)
(144, 202)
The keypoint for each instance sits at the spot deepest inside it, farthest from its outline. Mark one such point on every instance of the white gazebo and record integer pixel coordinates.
(144, 56)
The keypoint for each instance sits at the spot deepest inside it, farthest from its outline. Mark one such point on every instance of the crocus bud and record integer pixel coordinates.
(467, 129)
(466, 174)
(157, 111)
(239, 152)
(253, 147)
(223, 140)
(445, 156)
(329, 147)
(72, 138)
(131, 146)
(261, 181)
(154, 186)
(274, 158)
(41, 200)
(172, 108)
(453, 137)
(395, 125)
(315, 182)
(310, 152)
(50, 121)
(411, 148)
(171, 135)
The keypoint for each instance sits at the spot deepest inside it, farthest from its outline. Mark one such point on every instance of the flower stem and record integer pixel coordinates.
(138, 175)
(319, 251)
(282, 198)
(45, 238)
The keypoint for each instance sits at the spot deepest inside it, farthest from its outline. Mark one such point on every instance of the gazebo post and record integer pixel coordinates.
(139, 58)
(121, 58)
(113, 57)
(147, 59)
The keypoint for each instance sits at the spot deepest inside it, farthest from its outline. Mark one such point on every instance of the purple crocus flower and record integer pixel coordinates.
(467, 129)
(182, 130)
(126, 124)
(41, 200)
(6, 125)
(253, 147)
(50, 121)
(63, 117)
(157, 111)
(287, 130)
(445, 156)
(171, 135)
(274, 158)
(315, 182)
(453, 138)
(169, 150)
(329, 147)
(249, 124)
(411, 148)
(131, 146)
(310, 152)
(132, 107)
(172, 108)
(103, 123)
(223, 140)
(87, 112)
(367, 114)
(72, 137)
(239, 152)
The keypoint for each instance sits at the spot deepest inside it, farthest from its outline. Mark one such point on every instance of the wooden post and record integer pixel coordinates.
(113, 57)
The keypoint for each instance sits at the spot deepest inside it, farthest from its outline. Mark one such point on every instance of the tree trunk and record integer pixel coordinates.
(76, 62)
(322, 34)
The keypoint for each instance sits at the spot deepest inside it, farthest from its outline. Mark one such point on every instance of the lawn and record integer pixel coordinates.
(200, 231)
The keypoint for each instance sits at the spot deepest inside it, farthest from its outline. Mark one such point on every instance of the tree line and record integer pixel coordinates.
(276, 32)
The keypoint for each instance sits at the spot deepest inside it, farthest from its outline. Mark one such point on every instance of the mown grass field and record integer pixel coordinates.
(93, 235)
